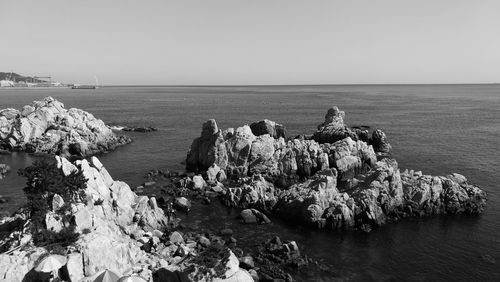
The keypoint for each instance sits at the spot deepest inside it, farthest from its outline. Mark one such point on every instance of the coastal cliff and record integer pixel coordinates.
(46, 127)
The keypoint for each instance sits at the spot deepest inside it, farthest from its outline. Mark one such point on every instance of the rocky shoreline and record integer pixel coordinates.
(145, 241)
(339, 178)
(46, 127)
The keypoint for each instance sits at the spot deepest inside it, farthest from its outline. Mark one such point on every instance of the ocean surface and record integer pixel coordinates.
(437, 129)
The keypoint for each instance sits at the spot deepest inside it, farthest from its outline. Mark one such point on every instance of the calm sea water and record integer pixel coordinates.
(434, 128)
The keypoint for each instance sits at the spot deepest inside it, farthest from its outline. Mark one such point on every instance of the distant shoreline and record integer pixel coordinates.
(263, 85)
(303, 85)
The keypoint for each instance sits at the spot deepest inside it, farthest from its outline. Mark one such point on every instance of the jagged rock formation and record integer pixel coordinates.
(117, 230)
(382, 194)
(341, 179)
(111, 210)
(262, 148)
(47, 127)
(333, 128)
(239, 152)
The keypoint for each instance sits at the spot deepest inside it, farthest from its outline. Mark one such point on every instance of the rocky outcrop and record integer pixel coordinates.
(116, 230)
(334, 129)
(261, 148)
(380, 195)
(47, 127)
(111, 210)
(240, 153)
(342, 179)
(208, 149)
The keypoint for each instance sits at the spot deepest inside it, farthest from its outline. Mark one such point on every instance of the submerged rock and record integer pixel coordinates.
(47, 127)
(182, 204)
(142, 129)
(253, 216)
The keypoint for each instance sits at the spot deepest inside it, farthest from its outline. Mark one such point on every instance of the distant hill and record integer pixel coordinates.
(17, 77)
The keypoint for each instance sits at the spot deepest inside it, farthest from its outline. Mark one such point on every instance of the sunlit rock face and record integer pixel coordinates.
(339, 178)
(47, 127)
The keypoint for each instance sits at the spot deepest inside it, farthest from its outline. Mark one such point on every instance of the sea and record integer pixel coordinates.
(436, 129)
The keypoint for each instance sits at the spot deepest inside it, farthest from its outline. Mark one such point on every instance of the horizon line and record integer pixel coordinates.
(292, 85)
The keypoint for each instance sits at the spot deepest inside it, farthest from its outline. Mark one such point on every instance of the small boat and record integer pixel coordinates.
(78, 86)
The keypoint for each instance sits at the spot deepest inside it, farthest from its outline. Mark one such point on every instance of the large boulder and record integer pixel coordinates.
(253, 216)
(47, 127)
(148, 215)
(273, 129)
(97, 255)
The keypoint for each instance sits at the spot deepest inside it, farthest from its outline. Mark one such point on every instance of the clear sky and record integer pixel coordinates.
(253, 42)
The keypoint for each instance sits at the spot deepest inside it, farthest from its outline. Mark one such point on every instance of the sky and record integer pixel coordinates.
(233, 42)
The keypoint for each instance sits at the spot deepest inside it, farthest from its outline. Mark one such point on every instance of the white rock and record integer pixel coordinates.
(122, 193)
(96, 163)
(198, 182)
(83, 219)
(57, 202)
(65, 165)
(231, 265)
(106, 177)
(75, 267)
(212, 172)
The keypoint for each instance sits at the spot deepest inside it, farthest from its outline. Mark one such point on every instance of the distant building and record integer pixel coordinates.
(6, 83)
